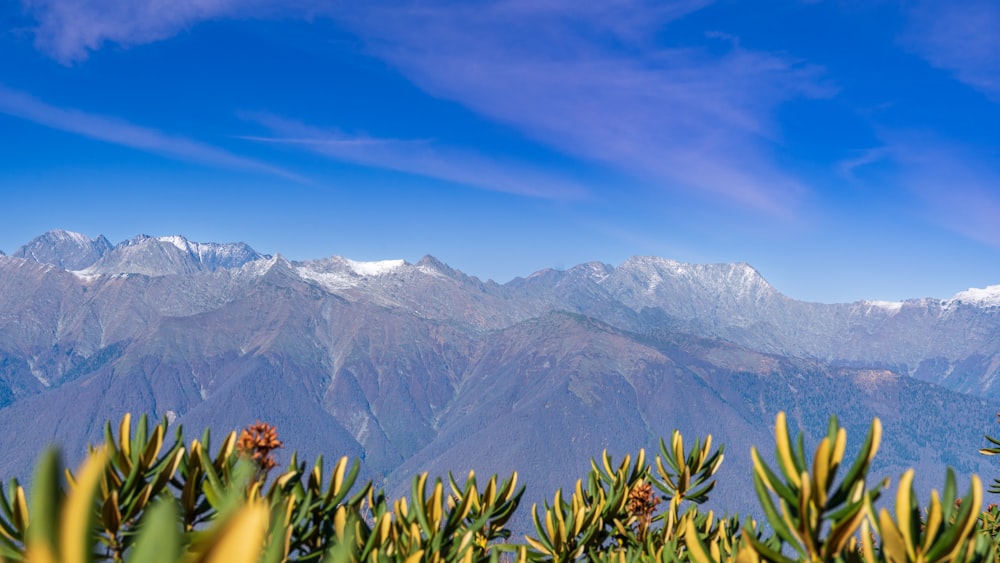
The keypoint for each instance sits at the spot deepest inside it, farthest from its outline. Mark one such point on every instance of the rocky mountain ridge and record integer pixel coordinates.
(947, 341)
(66, 250)
(421, 367)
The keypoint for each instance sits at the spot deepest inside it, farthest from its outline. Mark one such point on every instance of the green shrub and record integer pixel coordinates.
(135, 499)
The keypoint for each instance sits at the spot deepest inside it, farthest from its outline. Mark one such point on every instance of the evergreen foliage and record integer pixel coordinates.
(136, 499)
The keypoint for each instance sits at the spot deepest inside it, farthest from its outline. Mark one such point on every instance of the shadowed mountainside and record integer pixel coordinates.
(418, 367)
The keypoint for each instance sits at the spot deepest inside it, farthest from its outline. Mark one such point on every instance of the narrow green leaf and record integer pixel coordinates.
(159, 539)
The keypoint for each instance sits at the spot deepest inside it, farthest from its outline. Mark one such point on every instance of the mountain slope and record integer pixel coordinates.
(173, 255)
(419, 367)
(65, 250)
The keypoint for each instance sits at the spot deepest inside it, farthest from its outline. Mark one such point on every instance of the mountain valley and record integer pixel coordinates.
(419, 367)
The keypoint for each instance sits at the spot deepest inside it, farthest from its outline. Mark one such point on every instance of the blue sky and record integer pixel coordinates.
(848, 150)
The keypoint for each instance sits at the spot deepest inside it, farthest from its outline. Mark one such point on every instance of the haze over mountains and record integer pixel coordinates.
(419, 367)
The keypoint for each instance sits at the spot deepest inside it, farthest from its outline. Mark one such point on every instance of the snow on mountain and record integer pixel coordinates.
(718, 289)
(180, 242)
(595, 271)
(985, 297)
(378, 268)
(891, 307)
(422, 368)
(336, 273)
(264, 265)
(172, 255)
(215, 255)
(729, 301)
(64, 249)
(328, 276)
(736, 278)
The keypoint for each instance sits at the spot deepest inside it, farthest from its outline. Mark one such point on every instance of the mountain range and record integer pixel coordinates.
(419, 367)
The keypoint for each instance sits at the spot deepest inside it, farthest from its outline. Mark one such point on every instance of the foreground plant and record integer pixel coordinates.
(137, 499)
(816, 515)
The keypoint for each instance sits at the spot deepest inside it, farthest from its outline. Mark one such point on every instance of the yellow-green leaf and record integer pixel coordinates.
(78, 512)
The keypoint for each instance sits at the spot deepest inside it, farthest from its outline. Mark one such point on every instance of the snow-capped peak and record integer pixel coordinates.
(377, 268)
(78, 238)
(64, 249)
(890, 306)
(346, 277)
(595, 271)
(738, 277)
(982, 297)
(180, 242)
(337, 273)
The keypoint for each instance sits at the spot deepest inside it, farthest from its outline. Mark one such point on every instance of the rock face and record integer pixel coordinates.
(65, 250)
(173, 255)
(419, 367)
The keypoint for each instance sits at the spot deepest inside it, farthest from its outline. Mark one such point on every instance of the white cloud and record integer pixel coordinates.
(956, 186)
(589, 79)
(68, 30)
(420, 157)
(119, 132)
(574, 80)
(847, 168)
(959, 36)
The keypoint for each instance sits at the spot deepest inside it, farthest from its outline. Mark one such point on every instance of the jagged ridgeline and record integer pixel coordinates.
(140, 498)
(415, 367)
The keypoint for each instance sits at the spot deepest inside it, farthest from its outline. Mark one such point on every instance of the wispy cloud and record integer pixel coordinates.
(421, 157)
(589, 79)
(959, 36)
(119, 132)
(592, 84)
(955, 185)
(847, 168)
(68, 30)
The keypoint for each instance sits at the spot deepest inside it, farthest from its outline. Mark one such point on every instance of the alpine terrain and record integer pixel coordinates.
(419, 367)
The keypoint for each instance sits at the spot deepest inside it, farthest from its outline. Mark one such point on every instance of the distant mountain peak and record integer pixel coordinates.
(983, 297)
(734, 290)
(661, 264)
(890, 306)
(65, 249)
(596, 271)
(337, 273)
(375, 268)
(177, 240)
(341, 265)
(137, 239)
(171, 255)
(418, 367)
(738, 276)
(431, 264)
(545, 273)
(61, 234)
